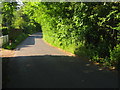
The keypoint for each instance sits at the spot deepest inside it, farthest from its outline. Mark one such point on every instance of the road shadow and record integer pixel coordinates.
(55, 72)
(29, 41)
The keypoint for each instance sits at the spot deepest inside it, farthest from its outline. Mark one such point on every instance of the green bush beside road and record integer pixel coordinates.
(85, 29)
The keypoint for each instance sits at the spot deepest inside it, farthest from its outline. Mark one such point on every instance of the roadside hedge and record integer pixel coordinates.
(85, 29)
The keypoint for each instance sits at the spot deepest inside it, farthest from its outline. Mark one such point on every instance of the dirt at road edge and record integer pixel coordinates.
(6, 53)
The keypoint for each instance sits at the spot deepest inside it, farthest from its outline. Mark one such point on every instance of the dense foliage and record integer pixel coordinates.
(85, 29)
(7, 16)
(16, 24)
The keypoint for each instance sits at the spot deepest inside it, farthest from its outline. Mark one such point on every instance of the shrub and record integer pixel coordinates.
(115, 56)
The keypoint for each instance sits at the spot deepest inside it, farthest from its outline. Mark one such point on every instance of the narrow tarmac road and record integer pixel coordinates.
(34, 45)
(38, 65)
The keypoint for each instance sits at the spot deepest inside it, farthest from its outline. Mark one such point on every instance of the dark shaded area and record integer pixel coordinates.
(30, 40)
(36, 36)
(55, 72)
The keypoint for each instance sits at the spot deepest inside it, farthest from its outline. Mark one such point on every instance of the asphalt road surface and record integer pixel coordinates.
(38, 65)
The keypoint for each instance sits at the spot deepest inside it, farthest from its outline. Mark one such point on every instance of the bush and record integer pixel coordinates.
(82, 22)
(115, 56)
